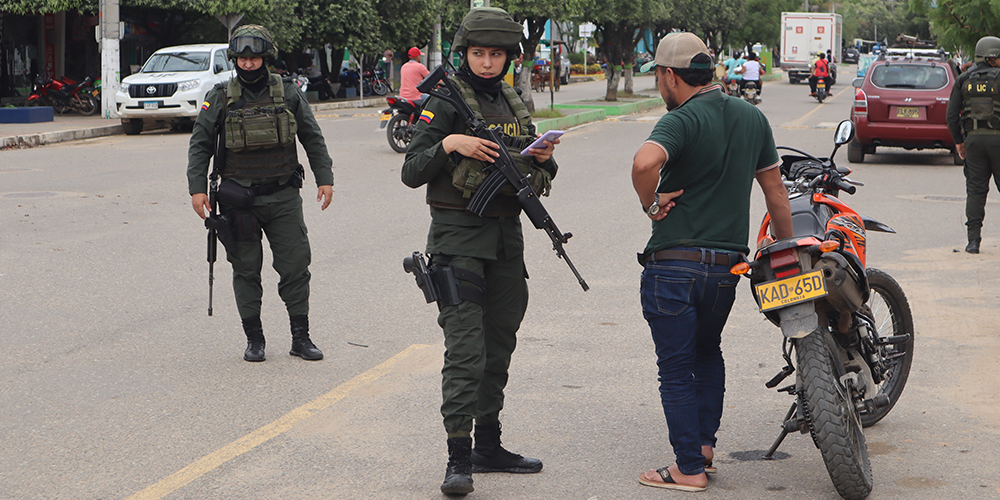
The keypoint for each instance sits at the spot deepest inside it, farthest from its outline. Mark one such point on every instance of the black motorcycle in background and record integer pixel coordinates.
(400, 117)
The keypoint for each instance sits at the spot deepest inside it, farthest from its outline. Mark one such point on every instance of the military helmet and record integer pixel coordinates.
(987, 46)
(489, 27)
(252, 40)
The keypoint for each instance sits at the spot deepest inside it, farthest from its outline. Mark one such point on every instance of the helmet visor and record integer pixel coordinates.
(254, 44)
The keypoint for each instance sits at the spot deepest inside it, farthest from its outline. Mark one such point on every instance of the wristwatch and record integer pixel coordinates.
(655, 207)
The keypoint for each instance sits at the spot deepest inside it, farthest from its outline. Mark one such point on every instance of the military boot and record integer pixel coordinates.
(458, 476)
(489, 456)
(973, 246)
(255, 339)
(301, 345)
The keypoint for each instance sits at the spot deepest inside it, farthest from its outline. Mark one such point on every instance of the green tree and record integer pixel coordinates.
(762, 22)
(959, 24)
(533, 13)
(619, 27)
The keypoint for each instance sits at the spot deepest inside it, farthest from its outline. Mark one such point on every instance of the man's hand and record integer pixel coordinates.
(960, 149)
(199, 201)
(542, 155)
(666, 203)
(325, 194)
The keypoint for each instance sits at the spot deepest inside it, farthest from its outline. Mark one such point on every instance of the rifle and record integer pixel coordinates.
(214, 221)
(501, 172)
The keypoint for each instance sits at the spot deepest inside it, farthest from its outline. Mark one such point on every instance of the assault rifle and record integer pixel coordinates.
(215, 221)
(501, 172)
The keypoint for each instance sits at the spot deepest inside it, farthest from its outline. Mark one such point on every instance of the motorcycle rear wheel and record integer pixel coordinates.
(87, 106)
(888, 307)
(833, 420)
(398, 135)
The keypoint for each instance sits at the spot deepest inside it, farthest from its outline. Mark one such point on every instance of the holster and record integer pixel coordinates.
(245, 225)
(223, 230)
(447, 280)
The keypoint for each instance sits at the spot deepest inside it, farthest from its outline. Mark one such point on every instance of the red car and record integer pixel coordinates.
(902, 102)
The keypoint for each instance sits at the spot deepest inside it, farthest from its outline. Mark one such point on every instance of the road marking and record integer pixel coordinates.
(246, 443)
(798, 123)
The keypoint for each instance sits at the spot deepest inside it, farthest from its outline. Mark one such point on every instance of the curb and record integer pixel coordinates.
(566, 122)
(62, 136)
(89, 133)
(618, 109)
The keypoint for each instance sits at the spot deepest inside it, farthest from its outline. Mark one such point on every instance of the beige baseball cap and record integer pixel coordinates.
(678, 50)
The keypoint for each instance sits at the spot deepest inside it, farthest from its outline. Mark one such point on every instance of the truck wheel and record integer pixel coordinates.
(132, 127)
(793, 81)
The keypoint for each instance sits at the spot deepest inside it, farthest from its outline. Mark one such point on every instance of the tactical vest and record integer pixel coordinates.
(467, 175)
(981, 102)
(260, 135)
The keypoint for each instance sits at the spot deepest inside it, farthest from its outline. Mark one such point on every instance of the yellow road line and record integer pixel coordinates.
(246, 443)
(796, 123)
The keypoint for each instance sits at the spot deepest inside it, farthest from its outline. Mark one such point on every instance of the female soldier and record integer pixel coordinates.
(485, 253)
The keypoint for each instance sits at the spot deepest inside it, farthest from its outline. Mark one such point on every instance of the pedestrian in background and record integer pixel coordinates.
(411, 74)
(693, 177)
(259, 192)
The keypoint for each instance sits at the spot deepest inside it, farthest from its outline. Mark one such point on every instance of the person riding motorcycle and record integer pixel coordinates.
(821, 69)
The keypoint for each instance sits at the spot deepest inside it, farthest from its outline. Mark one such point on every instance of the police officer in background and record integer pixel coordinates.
(485, 253)
(974, 123)
(259, 192)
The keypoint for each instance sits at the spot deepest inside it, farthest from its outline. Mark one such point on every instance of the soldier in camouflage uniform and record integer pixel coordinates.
(486, 253)
(974, 122)
(259, 193)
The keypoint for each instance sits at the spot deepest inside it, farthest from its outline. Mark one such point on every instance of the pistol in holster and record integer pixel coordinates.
(441, 281)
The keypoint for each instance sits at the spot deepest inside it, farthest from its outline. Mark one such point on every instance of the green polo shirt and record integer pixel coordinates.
(715, 144)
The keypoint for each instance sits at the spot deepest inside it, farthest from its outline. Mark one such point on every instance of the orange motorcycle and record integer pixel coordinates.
(849, 325)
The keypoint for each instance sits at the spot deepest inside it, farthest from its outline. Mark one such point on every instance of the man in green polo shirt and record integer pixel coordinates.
(693, 177)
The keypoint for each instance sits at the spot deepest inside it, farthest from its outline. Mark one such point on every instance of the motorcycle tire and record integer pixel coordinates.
(832, 418)
(820, 96)
(380, 88)
(397, 133)
(87, 106)
(366, 88)
(888, 307)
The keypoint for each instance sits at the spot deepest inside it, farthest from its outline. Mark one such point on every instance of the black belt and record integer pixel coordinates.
(705, 256)
(267, 189)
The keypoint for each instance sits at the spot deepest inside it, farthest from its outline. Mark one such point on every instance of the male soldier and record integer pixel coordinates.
(261, 116)
(697, 193)
(974, 123)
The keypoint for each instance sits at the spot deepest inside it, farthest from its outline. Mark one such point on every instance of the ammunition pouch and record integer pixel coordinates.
(235, 195)
(223, 231)
(468, 174)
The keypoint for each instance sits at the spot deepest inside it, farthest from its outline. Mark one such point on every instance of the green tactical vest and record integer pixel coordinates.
(981, 102)
(260, 135)
(468, 174)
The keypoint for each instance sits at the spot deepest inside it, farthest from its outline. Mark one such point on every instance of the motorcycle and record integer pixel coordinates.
(734, 88)
(750, 93)
(375, 82)
(64, 95)
(400, 117)
(850, 326)
(821, 92)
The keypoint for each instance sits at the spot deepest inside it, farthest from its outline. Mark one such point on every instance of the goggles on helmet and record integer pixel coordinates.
(254, 44)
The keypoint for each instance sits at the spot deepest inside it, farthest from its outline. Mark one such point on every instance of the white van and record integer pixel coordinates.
(171, 85)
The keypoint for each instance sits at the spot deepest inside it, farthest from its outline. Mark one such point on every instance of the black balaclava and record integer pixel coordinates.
(254, 80)
(479, 84)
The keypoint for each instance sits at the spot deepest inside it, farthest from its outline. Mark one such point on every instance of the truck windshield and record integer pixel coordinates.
(910, 76)
(177, 61)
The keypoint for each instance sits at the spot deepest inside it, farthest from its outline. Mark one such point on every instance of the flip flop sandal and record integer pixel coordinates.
(668, 482)
(710, 469)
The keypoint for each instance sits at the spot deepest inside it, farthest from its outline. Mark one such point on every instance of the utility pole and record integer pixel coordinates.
(110, 57)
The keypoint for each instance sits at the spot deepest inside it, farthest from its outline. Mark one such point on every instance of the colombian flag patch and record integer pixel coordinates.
(427, 116)
(205, 105)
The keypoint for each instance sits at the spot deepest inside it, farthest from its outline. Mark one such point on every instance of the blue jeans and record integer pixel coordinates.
(686, 305)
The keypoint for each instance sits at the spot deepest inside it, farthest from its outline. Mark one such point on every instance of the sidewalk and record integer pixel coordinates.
(73, 127)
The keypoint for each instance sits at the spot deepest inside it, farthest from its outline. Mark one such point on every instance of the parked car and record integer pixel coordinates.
(851, 55)
(171, 85)
(902, 102)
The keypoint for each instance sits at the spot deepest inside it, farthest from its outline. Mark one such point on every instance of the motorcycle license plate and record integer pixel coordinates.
(781, 293)
(150, 105)
(821, 85)
(384, 118)
(907, 112)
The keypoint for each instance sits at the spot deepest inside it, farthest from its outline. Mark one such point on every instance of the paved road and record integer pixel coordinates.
(115, 384)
